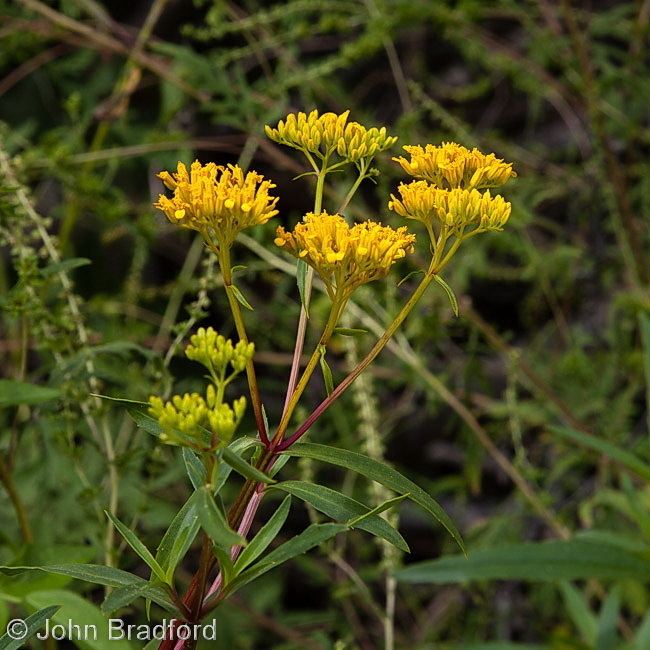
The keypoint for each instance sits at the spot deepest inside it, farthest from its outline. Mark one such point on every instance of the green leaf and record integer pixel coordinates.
(95, 573)
(313, 536)
(327, 373)
(379, 472)
(496, 645)
(265, 536)
(578, 610)
(382, 507)
(133, 541)
(179, 537)
(75, 610)
(195, 468)
(33, 624)
(642, 638)
(4, 614)
(64, 266)
(119, 399)
(301, 280)
(350, 331)
(151, 425)
(409, 275)
(240, 297)
(622, 456)
(607, 638)
(245, 469)
(450, 293)
(146, 422)
(13, 393)
(266, 421)
(225, 564)
(343, 508)
(214, 523)
(125, 595)
(543, 562)
(237, 447)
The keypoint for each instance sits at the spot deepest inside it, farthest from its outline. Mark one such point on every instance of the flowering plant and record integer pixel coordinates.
(448, 196)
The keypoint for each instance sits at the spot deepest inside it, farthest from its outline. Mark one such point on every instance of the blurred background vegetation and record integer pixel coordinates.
(527, 417)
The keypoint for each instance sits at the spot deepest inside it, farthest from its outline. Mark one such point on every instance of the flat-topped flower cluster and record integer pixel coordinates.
(344, 256)
(217, 201)
(450, 195)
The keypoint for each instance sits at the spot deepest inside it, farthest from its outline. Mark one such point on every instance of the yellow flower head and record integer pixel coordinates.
(452, 166)
(217, 201)
(457, 209)
(325, 134)
(345, 257)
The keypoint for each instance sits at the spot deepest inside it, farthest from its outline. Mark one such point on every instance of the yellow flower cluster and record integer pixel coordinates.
(451, 165)
(322, 135)
(217, 201)
(207, 422)
(448, 201)
(345, 256)
(215, 352)
(456, 209)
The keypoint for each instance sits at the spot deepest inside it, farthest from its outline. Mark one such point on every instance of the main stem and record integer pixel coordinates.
(235, 308)
(302, 322)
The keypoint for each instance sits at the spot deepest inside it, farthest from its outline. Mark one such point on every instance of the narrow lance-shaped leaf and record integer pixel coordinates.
(226, 566)
(543, 562)
(622, 456)
(13, 393)
(32, 624)
(240, 297)
(379, 472)
(95, 573)
(123, 596)
(179, 537)
(350, 331)
(313, 536)
(301, 279)
(195, 468)
(124, 400)
(382, 507)
(77, 611)
(343, 508)
(578, 609)
(214, 523)
(265, 536)
(64, 266)
(325, 369)
(238, 447)
(450, 293)
(607, 638)
(132, 540)
(244, 468)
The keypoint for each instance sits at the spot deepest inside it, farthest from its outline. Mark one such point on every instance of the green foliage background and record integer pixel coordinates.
(526, 417)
